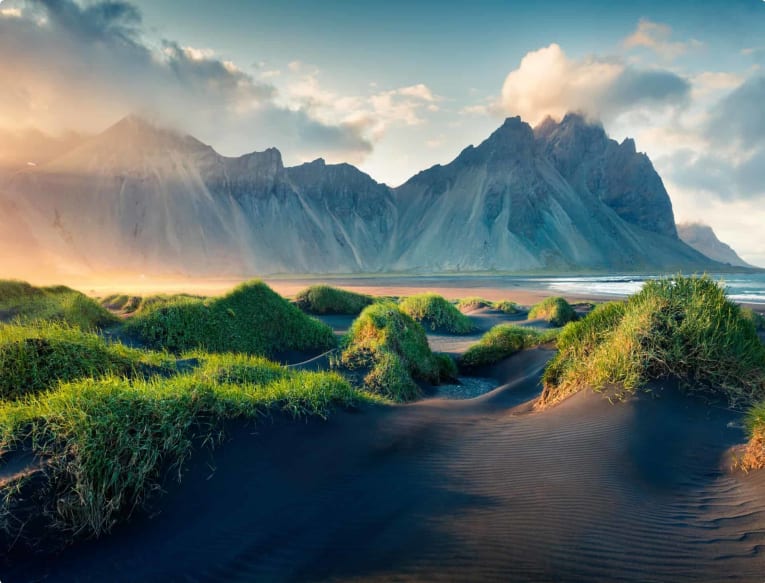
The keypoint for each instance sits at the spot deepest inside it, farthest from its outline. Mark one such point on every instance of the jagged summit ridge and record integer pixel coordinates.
(562, 196)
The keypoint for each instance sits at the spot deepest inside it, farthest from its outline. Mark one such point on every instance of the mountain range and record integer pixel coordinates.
(142, 199)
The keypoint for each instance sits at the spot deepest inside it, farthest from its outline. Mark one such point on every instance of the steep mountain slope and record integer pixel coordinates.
(140, 199)
(702, 238)
(505, 205)
(615, 173)
(151, 200)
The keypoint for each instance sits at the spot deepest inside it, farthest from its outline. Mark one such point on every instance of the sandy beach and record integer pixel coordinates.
(524, 290)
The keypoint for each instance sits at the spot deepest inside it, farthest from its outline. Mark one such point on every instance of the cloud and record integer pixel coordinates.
(375, 112)
(727, 160)
(657, 37)
(740, 116)
(72, 66)
(547, 82)
(10, 13)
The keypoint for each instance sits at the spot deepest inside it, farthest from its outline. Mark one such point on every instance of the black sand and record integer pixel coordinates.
(481, 489)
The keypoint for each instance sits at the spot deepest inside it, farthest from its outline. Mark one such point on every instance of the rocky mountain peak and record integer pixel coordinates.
(136, 131)
(561, 196)
(619, 176)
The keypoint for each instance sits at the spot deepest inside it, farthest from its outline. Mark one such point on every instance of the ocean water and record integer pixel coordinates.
(745, 288)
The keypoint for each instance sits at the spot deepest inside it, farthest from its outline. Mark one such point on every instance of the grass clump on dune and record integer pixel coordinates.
(753, 457)
(22, 302)
(503, 341)
(683, 328)
(476, 303)
(436, 313)
(756, 318)
(473, 303)
(126, 305)
(251, 319)
(324, 299)
(507, 307)
(392, 348)
(37, 356)
(236, 368)
(557, 311)
(108, 443)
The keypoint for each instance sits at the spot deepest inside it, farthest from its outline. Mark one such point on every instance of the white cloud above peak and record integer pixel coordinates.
(549, 83)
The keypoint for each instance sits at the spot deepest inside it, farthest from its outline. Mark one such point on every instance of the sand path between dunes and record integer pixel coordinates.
(480, 489)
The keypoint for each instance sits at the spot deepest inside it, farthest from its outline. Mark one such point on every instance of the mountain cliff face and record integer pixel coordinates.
(521, 201)
(146, 200)
(702, 238)
(615, 173)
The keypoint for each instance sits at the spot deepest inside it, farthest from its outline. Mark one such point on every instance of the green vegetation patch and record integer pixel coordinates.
(436, 313)
(109, 442)
(754, 454)
(23, 302)
(557, 311)
(683, 328)
(324, 299)
(474, 303)
(393, 349)
(126, 305)
(236, 368)
(507, 307)
(37, 356)
(756, 318)
(251, 319)
(502, 341)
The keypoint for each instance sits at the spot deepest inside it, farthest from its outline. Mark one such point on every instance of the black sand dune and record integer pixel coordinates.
(483, 489)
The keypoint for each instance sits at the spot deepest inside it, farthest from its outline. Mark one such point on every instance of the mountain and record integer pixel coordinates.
(550, 200)
(616, 174)
(142, 199)
(702, 238)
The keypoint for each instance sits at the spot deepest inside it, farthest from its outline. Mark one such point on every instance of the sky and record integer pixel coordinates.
(397, 86)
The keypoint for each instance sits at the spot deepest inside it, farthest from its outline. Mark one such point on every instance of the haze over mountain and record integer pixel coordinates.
(141, 199)
(703, 238)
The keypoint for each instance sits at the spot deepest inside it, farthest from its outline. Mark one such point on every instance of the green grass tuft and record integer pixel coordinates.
(37, 356)
(24, 303)
(503, 341)
(108, 443)
(324, 299)
(557, 311)
(236, 368)
(683, 328)
(393, 348)
(753, 457)
(507, 307)
(436, 313)
(756, 318)
(251, 319)
(473, 303)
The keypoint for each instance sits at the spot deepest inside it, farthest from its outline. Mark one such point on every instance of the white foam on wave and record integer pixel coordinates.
(748, 289)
